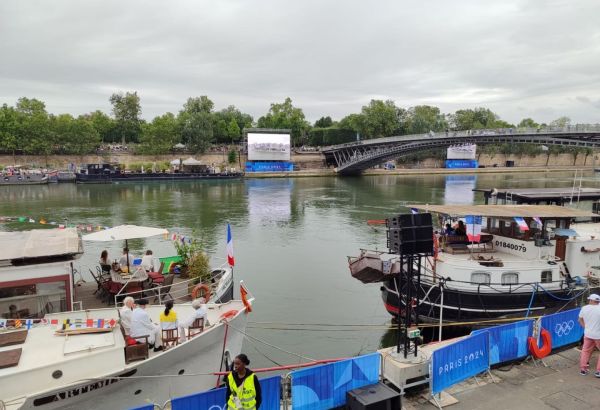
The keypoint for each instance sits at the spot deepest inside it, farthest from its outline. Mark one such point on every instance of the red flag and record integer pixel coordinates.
(112, 322)
(244, 293)
(54, 321)
(90, 323)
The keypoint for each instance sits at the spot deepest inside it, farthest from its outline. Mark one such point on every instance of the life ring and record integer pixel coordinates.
(229, 314)
(198, 288)
(540, 352)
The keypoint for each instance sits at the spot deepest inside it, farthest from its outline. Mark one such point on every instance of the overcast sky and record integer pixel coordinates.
(537, 58)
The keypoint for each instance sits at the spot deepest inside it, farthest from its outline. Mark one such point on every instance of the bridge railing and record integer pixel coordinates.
(584, 128)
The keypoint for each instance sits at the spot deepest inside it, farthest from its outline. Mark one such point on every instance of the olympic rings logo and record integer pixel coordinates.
(564, 328)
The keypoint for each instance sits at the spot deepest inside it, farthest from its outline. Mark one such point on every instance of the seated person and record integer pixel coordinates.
(13, 313)
(141, 325)
(461, 229)
(168, 317)
(148, 261)
(199, 306)
(124, 257)
(449, 230)
(126, 313)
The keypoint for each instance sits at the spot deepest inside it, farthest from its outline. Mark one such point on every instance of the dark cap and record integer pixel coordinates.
(141, 302)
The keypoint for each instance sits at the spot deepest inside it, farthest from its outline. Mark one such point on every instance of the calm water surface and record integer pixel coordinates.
(291, 239)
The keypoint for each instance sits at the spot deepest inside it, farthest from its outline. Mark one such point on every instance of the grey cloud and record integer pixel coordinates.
(520, 58)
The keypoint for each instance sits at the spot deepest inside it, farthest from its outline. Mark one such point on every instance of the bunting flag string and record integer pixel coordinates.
(7, 324)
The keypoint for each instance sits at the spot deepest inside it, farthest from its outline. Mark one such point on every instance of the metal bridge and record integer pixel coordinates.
(352, 158)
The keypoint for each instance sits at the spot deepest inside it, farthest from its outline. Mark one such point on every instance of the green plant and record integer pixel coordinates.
(232, 156)
(194, 260)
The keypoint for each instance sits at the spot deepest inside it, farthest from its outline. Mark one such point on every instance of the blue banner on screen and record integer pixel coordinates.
(461, 163)
(564, 327)
(216, 400)
(459, 361)
(325, 387)
(269, 166)
(508, 342)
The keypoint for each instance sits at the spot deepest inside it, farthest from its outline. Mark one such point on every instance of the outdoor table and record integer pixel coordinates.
(139, 275)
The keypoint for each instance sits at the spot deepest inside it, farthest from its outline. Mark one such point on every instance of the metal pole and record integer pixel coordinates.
(441, 308)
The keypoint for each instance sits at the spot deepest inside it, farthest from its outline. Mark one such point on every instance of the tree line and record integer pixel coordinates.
(27, 127)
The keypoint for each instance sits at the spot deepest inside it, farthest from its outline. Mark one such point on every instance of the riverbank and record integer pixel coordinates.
(415, 171)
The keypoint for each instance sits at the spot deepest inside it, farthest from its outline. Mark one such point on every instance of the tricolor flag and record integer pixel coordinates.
(230, 258)
(473, 226)
(538, 221)
(522, 224)
(100, 323)
(414, 211)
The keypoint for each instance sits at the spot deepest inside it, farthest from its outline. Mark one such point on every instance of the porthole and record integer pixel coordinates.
(182, 371)
(137, 392)
(57, 374)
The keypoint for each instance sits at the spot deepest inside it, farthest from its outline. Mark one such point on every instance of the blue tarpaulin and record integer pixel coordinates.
(564, 327)
(215, 399)
(325, 387)
(459, 361)
(508, 342)
(145, 407)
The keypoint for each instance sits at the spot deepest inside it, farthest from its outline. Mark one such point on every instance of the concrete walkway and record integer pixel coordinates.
(526, 386)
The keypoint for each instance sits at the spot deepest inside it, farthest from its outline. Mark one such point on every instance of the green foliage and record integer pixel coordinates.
(232, 156)
(104, 126)
(233, 130)
(9, 129)
(229, 134)
(528, 123)
(324, 122)
(330, 136)
(561, 122)
(379, 119)
(194, 260)
(424, 118)
(127, 111)
(286, 116)
(159, 136)
(197, 123)
(473, 119)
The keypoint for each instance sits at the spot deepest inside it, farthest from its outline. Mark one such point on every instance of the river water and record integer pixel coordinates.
(291, 240)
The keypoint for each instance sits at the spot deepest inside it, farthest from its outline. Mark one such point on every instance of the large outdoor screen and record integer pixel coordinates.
(268, 147)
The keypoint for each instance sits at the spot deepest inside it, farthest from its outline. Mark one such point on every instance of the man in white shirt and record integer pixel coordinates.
(148, 261)
(200, 312)
(141, 325)
(589, 319)
(126, 313)
(123, 260)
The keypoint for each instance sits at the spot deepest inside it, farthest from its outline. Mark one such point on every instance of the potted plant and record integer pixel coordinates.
(195, 263)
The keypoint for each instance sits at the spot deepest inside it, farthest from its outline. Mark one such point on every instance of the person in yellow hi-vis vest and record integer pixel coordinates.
(243, 388)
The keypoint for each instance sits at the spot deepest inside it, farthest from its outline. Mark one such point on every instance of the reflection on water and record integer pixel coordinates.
(291, 239)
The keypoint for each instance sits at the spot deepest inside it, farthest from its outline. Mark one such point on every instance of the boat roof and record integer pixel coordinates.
(39, 243)
(533, 195)
(506, 211)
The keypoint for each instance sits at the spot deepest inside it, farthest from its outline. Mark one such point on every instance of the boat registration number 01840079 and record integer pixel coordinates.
(513, 246)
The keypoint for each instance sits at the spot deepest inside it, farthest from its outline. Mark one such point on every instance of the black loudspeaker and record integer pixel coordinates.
(410, 234)
(373, 397)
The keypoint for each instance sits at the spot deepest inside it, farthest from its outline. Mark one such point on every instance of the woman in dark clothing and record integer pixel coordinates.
(243, 388)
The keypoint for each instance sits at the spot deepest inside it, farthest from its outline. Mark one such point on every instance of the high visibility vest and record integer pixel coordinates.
(246, 393)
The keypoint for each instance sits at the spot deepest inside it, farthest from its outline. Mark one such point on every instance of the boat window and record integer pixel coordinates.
(546, 276)
(510, 278)
(481, 277)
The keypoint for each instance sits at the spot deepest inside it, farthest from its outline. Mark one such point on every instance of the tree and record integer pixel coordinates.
(103, 124)
(379, 119)
(127, 111)
(561, 122)
(324, 122)
(227, 115)
(197, 123)
(159, 136)
(528, 123)
(424, 118)
(233, 130)
(473, 119)
(9, 124)
(34, 134)
(286, 116)
(354, 122)
(232, 156)
(83, 137)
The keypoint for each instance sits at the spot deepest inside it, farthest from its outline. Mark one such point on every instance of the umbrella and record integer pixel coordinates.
(124, 232)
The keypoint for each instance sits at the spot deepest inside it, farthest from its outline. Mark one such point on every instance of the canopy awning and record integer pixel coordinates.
(124, 232)
(192, 161)
(506, 211)
(39, 243)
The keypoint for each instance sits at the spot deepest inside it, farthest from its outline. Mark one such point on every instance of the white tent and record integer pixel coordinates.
(179, 146)
(175, 162)
(191, 161)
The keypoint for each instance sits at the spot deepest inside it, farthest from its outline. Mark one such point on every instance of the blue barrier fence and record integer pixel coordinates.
(269, 166)
(459, 361)
(215, 399)
(508, 342)
(324, 387)
(564, 327)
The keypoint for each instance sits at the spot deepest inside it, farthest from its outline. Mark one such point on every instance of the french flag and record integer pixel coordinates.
(230, 258)
(522, 224)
